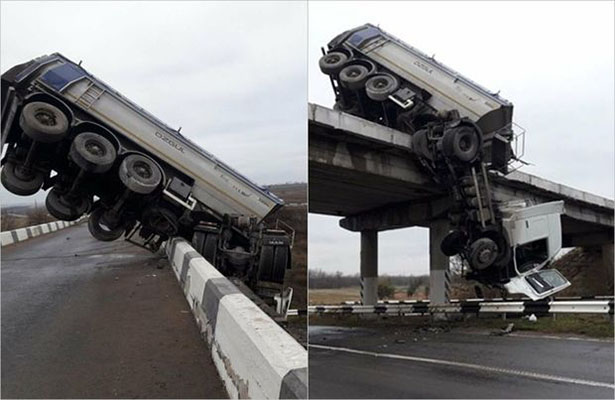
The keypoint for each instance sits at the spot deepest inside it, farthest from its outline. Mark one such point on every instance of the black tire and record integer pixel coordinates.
(380, 86)
(353, 76)
(92, 152)
(210, 248)
(453, 243)
(65, 209)
(18, 183)
(99, 230)
(206, 244)
(333, 62)
(160, 220)
(504, 250)
(140, 174)
(420, 144)
(198, 238)
(462, 143)
(43, 122)
(265, 263)
(483, 253)
(280, 263)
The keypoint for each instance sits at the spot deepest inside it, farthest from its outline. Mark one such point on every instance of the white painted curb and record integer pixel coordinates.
(21, 234)
(254, 356)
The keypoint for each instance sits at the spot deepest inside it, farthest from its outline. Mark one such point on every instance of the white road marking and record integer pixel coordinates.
(554, 337)
(527, 374)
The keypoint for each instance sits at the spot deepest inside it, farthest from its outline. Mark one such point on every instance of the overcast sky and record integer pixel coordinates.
(232, 75)
(553, 61)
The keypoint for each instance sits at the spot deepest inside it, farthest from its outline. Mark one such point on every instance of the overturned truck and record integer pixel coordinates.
(461, 134)
(98, 153)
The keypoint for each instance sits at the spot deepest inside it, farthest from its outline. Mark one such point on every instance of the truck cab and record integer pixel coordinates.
(536, 239)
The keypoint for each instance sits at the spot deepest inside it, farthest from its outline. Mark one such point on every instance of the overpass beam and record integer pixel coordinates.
(439, 284)
(369, 267)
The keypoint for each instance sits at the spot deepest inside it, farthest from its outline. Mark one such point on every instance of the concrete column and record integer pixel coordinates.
(369, 267)
(439, 283)
(607, 260)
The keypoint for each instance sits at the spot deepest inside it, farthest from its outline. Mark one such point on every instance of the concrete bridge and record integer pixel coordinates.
(368, 174)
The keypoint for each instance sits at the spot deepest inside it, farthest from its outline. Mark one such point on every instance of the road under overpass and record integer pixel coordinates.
(368, 174)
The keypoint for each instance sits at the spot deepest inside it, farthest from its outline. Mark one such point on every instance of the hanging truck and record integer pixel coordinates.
(461, 134)
(98, 153)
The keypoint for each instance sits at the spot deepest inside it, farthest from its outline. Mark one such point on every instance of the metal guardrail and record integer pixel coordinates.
(474, 306)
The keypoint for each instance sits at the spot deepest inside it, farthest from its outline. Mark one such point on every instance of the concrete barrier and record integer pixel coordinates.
(254, 356)
(21, 234)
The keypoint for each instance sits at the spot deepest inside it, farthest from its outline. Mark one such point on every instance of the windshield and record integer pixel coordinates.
(546, 280)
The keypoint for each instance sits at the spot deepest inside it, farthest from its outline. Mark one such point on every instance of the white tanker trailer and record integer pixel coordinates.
(98, 153)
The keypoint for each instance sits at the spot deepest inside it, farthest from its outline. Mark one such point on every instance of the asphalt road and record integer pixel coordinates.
(89, 319)
(393, 363)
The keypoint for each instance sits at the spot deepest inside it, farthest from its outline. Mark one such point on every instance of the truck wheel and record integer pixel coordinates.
(462, 143)
(280, 262)
(206, 244)
(265, 263)
(353, 76)
(101, 231)
(160, 220)
(332, 63)
(453, 243)
(92, 152)
(210, 248)
(140, 174)
(420, 144)
(19, 182)
(483, 253)
(380, 86)
(43, 122)
(64, 209)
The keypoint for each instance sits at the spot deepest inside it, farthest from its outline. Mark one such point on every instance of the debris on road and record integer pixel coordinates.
(505, 331)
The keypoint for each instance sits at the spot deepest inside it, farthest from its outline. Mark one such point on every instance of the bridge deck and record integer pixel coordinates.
(368, 173)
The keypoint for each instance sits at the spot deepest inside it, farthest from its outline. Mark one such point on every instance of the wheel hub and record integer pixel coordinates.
(353, 73)
(143, 170)
(23, 172)
(333, 59)
(464, 143)
(95, 148)
(45, 118)
(380, 83)
(485, 255)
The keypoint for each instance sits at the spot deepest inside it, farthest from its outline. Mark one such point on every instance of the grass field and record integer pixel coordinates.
(338, 296)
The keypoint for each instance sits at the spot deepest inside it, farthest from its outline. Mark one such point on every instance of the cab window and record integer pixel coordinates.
(528, 255)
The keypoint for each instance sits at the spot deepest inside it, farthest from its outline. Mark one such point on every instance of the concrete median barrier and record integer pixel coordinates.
(254, 356)
(21, 234)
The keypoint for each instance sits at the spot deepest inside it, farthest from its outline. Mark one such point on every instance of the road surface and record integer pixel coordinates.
(397, 363)
(89, 319)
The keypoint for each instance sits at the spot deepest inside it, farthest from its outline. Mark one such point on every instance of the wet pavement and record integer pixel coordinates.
(88, 319)
(390, 362)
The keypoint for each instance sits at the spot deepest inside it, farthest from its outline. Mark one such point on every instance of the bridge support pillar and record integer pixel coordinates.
(439, 284)
(369, 267)
(607, 260)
